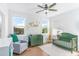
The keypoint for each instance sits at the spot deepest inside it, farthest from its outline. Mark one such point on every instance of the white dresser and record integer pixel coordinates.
(45, 38)
(6, 48)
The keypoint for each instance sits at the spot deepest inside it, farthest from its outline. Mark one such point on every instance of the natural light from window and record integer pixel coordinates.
(45, 24)
(19, 24)
(18, 21)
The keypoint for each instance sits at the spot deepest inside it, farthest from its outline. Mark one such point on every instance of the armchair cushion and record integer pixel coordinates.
(23, 41)
(14, 37)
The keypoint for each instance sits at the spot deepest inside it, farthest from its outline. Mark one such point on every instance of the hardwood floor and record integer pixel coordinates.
(33, 51)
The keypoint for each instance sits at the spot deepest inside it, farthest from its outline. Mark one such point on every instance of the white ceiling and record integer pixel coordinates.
(31, 8)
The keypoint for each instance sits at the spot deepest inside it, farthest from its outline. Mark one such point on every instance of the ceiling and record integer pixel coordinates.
(31, 8)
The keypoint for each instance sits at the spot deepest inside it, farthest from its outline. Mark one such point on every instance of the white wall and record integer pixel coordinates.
(33, 30)
(25, 10)
(28, 10)
(11, 14)
(4, 12)
(29, 18)
(68, 22)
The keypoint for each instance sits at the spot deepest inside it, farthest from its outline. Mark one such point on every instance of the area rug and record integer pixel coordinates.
(53, 50)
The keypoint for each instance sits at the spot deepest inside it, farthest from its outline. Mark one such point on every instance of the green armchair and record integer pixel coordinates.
(35, 40)
(67, 41)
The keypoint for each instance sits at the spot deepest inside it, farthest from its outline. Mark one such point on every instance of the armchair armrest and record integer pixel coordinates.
(74, 44)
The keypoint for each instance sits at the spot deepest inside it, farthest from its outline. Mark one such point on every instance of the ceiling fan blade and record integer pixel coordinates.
(52, 5)
(40, 6)
(39, 11)
(52, 9)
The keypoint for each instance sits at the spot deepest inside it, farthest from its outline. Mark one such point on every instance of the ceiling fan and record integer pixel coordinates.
(46, 8)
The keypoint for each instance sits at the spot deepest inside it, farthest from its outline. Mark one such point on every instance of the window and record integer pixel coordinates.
(45, 26)
(0, 25)
(19, 24)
